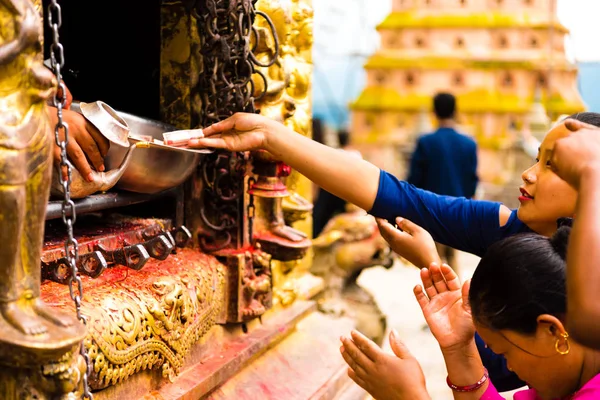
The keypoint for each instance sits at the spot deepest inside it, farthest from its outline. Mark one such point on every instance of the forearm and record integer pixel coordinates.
(344, 175)
(583, 274)
(465, 368)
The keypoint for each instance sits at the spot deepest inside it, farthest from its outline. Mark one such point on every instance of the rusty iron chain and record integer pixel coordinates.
(226, 87)
(57, 59)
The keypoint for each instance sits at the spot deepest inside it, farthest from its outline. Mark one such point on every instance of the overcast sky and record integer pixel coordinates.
(336, 23)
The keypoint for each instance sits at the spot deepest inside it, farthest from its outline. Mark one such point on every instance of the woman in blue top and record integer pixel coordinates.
(467, 225)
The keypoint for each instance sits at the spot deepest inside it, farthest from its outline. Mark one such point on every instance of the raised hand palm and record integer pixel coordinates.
(449, 319)
(445, 306)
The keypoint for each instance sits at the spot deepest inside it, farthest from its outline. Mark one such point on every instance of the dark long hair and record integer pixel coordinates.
(520, 278)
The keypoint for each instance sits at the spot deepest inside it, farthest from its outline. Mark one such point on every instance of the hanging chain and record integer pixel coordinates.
(59, 101)
(225, 87)
(251, 212)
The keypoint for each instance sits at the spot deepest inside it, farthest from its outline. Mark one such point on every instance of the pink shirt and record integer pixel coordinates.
(589, 391)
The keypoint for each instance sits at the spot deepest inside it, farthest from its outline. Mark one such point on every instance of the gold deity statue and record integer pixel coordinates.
(25, 167)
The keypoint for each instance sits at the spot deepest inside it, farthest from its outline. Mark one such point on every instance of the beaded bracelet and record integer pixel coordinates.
(470, 388)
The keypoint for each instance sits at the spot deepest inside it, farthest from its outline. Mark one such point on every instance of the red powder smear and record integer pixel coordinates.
(89, 227)
(117, 277)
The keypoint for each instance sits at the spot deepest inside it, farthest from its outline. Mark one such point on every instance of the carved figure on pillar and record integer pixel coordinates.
(283, 242)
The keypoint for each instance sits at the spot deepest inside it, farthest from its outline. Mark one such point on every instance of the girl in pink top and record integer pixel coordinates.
(517, 303)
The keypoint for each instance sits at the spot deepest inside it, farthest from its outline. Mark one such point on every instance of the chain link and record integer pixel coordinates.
(69, 216)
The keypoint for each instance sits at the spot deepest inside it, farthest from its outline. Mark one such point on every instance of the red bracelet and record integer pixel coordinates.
(470, 388)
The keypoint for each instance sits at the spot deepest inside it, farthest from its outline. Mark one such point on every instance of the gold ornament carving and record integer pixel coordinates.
(150, 319)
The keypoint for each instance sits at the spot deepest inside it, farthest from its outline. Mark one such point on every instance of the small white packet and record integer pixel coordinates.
(181, 138)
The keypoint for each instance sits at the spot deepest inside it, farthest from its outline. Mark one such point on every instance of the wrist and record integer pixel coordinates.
(590, 176)
(271, 135)
(274, 136)
(463, 364)
(463, 349)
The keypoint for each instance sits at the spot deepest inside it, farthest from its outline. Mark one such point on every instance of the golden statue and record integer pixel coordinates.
(31, 334)
(25, 151)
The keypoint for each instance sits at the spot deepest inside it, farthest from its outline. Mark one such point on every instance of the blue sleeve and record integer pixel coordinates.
(503, 379)
(467, 225)
(416, 175)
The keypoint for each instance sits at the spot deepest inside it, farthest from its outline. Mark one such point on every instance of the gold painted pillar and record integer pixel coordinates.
(288, 100)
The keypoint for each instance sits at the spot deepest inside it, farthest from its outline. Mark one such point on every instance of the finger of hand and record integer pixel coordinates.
(384, 227)
(428, 282)
(407, 226)
(574, 125)
(102, 142)
(451, 278)
(91, 150)
(220, 127)
(398, 346)
(354, 356)
(391, 234)
(214, 142)
(358, 370)
(465, 295)
(78, 159)
(422, 299)
(358, 380)
(438, 278)
(366, 345)
(356, 353)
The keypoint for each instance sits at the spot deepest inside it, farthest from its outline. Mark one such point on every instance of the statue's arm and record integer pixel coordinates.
(9, 51)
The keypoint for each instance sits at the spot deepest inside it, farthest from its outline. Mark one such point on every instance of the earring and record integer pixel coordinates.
(568, 349)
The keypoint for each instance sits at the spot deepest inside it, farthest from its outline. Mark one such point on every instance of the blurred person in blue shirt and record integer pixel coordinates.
(445, 161)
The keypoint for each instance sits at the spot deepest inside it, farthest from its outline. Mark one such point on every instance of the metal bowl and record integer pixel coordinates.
(152, 169)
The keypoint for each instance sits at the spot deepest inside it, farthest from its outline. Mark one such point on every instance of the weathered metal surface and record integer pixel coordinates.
(105, 242)
(105, 201)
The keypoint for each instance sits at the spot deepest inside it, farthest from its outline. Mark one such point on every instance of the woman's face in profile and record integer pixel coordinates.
(536, 361)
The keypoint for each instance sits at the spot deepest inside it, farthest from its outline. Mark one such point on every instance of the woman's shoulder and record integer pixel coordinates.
(510, 223)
